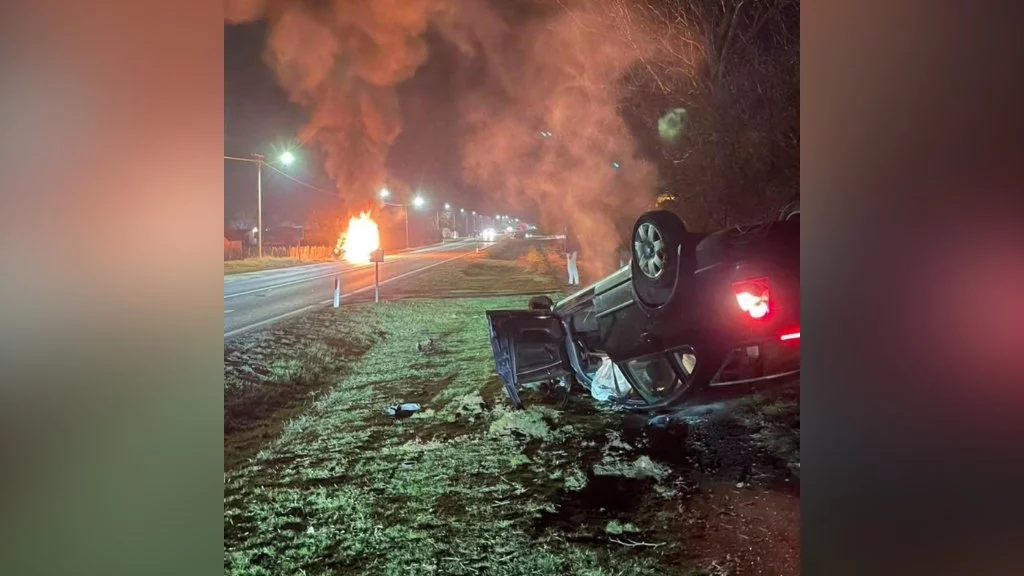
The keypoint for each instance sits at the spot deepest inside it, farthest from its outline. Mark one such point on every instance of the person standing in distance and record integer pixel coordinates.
(572, 252)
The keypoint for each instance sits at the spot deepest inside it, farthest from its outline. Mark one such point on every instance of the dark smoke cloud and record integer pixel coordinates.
(342, 59)
(528, 67)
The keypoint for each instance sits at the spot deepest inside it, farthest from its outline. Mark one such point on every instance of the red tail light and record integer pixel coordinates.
(752, 296)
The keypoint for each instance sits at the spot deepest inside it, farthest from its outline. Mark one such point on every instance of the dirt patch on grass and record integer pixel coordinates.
(742, 530)
(713, 491)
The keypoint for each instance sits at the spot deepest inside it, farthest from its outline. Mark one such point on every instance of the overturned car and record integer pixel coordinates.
(692, 317)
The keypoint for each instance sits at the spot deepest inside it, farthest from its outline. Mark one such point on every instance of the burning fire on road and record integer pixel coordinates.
(361, 238)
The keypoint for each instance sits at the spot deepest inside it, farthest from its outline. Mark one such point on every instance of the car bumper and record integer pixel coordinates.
(759, 362)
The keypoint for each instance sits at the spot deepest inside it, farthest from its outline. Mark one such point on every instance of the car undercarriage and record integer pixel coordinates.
(693, 317)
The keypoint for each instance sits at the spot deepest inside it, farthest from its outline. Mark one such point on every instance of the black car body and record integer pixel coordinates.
(692, 317)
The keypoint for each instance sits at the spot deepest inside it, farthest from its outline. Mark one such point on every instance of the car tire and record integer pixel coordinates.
(661, 253)
(543, 303)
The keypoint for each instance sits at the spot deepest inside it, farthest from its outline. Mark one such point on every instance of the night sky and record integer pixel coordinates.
(259, 118)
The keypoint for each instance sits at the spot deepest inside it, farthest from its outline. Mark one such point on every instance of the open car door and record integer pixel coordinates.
(528, 346)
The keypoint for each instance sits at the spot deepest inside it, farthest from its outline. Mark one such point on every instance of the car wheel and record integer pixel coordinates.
(541, 303)
(661, 253)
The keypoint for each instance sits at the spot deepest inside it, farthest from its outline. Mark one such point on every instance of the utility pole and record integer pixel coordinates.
(405, 211)
(258, 159)
(286, 158)
(418, 201)
(259, 201)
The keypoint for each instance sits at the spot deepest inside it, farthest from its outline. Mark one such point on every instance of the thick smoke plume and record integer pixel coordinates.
(342, 59)
(539, 99)
(546, 135)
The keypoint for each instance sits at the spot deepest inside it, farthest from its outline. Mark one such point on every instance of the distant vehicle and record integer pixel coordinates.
(691, 317)
(489, 235)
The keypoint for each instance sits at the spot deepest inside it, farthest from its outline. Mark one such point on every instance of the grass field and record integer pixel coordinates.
(319, 480)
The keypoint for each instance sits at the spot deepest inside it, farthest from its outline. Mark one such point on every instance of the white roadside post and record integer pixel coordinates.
(337, 291)
(377, 256)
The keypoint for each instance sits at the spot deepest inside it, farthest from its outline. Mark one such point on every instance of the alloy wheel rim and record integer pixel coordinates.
(649, 250)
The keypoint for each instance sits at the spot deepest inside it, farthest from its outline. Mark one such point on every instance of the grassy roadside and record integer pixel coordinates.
(265, 263)
(321, 481)
(506, 268)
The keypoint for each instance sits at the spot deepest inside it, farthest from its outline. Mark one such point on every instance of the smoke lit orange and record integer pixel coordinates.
(361, 238)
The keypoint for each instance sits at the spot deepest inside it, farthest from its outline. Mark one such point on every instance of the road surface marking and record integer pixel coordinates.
(347, 268)
(331, 300)
(283, 271)
(399, 277)
(269, 320)
(289, 283)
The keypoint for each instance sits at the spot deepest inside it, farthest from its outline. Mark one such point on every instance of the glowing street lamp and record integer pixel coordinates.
(417, 202)
(286, 158)
(447, 206)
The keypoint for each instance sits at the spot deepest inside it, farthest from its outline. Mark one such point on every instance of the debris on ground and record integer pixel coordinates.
(428, 346)
(660, 421)
(402, 410)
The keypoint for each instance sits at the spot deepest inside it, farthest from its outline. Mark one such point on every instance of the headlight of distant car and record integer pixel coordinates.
(489, 234)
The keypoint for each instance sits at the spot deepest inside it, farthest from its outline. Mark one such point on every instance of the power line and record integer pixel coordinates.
(275, 169)
(297, 181)
(226, 157)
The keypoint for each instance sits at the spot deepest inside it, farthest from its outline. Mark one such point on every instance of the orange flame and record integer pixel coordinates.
(361, 238)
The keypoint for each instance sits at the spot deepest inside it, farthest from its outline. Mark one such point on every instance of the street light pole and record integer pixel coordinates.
(258, 159)
(405, 211)
(259, 202)
(417, 201)
(405, 216)
(286, 158)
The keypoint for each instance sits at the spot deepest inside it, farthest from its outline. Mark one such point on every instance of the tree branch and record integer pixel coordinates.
(720, 66)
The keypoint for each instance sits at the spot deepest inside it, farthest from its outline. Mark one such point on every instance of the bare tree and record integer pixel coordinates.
(722, 85)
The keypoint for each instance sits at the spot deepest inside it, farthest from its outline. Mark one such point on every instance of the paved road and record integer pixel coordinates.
(256, 299)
